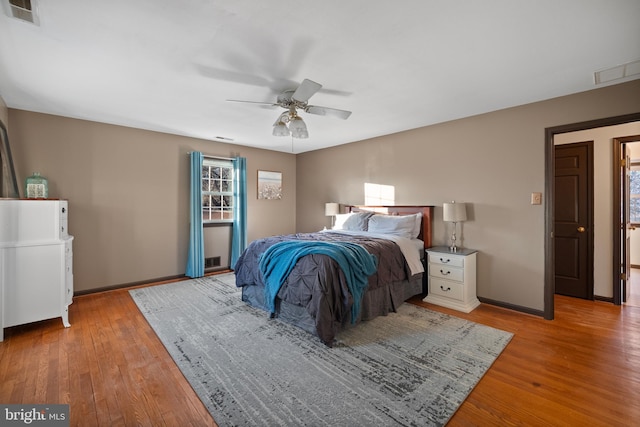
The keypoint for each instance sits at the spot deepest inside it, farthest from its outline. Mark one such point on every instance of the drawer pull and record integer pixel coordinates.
(446, 290)
(64, 210)
(445, 273)
(445, 260)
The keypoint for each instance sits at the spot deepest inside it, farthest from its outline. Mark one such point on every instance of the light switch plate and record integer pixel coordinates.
(536, 198)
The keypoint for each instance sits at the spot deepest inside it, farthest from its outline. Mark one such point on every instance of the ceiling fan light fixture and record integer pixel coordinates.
(289, 123)
(302, 134)
(280, 129)
(298, 128)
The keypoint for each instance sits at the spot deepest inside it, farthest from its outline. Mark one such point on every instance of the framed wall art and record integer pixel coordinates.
(269, 185)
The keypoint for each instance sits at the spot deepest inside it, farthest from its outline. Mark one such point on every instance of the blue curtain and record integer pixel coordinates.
(239, 239)
(195, 263)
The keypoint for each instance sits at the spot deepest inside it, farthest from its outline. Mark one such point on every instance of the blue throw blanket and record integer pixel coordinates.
(356, 263)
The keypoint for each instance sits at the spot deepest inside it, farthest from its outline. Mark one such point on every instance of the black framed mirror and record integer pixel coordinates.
(8, 184)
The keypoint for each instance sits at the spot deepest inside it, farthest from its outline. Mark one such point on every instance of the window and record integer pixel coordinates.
(217, 191)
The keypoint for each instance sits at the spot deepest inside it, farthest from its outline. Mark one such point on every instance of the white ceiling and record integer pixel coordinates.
(170, 66)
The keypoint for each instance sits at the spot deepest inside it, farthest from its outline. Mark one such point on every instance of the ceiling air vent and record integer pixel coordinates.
(23, 10)
(630, 69)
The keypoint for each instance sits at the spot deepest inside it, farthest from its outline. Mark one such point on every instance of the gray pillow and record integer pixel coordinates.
(355, 221)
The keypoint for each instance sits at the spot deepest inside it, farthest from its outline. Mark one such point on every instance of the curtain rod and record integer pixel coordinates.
(213, 157)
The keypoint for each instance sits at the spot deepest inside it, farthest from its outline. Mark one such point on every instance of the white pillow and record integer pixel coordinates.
(395, 225)
(418, 226)
(355, 221)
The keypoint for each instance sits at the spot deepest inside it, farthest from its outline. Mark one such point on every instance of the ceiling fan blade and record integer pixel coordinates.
(325, 111)
(264, 104)
(306, 90)
(233, 76)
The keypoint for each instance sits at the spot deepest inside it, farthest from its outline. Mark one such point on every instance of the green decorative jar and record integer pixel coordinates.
(36, 187)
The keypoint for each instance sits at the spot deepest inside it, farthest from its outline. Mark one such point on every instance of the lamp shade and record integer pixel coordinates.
(454, 212)
(331, 209)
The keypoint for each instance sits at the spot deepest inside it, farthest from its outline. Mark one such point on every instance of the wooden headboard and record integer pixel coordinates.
(427, 216)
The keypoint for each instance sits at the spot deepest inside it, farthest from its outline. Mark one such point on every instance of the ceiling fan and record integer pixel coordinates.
(294, 100)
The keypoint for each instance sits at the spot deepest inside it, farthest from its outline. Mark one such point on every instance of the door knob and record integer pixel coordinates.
(581, 229)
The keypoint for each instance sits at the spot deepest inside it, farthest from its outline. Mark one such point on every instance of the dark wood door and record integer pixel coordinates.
(573, 213)
(625, 235)
(621, 218)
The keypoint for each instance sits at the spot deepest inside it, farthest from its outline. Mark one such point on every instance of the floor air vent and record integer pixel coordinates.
(212, 262)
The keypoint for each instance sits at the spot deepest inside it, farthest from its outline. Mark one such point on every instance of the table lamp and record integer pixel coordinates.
(455, 213)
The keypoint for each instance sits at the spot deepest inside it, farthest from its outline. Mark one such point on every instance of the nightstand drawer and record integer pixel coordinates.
(446, 272)
(446, 288)
(445, 259)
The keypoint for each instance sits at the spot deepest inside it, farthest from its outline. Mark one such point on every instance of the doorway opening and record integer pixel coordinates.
(626, 208)
(632, 292)
(549, 277)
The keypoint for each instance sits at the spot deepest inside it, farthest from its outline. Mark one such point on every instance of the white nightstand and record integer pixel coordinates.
(452, 278)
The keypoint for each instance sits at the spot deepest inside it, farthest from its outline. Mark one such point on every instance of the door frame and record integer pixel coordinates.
(618, 283)
(549, 258)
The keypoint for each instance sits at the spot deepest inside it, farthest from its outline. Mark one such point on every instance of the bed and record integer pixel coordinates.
(316, 291)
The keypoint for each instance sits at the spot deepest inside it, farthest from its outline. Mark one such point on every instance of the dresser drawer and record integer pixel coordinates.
(445, 259)
(446, 288)
(69, 288)
(64, 218)
(446, 272)
(68, 266)
(64, 210)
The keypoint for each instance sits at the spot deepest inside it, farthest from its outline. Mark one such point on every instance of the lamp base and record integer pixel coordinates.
(453, 248)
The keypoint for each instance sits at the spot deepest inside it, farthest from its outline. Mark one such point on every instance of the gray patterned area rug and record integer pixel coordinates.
(410, 368)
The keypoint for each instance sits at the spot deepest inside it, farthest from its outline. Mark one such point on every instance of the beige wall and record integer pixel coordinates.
(128, 194)
(492, 161)
(603, 197)
(128, 188)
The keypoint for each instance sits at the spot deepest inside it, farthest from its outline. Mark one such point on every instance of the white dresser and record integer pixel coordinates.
(36, 262)
(452, 278)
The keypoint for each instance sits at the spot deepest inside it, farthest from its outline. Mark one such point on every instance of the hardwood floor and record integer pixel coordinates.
(634, 283)
(109, 366)
(583, 368)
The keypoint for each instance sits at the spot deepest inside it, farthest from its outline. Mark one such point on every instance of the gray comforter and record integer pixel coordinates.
(317, 283)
